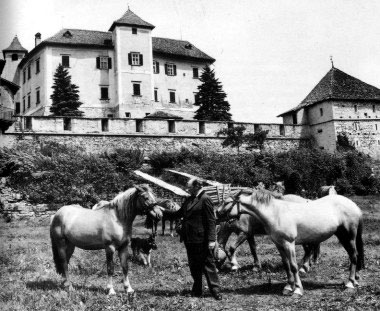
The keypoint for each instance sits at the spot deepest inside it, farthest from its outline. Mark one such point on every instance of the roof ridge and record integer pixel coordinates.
(171, 39)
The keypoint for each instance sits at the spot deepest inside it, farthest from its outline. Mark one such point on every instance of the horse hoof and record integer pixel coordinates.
(302, 271)
(111, 292)
(349, 285)
(297, 293)
(287, 291)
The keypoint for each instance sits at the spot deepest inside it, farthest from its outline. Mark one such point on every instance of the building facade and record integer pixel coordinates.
(121, 73)
(340, 104)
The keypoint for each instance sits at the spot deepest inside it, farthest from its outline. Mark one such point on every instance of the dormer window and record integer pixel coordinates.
(67, 34)
(134, 31)
(188, 46)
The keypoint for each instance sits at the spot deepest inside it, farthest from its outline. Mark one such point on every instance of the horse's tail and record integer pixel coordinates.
(54, 247)
(316, 252)
(360, 246)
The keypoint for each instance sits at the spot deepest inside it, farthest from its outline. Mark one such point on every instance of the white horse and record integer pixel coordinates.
(289, 223)
(107, 226)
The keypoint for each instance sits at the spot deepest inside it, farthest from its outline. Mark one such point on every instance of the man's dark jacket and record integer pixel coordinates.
(198, 225)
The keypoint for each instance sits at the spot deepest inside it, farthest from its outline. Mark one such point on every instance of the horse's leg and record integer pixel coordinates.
(123, 255)
(171, 227)
(290, 251)
(288, 289)
(110, 269)
(63, 251)
(348, 240)
(241, 238)
(306, 259)
(252, 246)
(69, 250)
(148, 260)
(163, 225)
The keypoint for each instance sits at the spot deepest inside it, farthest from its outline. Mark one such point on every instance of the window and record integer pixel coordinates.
(134, 31)
(103, 62)
(147, 114)
(127, 114)
(282, 130)
(294, 118)
(256, 128)
(23, 104)
(104, 92)
(37, 66)
(28, 123)
(66, 61)
(171, 125)
(14, 57)
(196, 97)
(156, 95)
(37, 96)
(365, 114)
(202, 127)
(321, 111)
(67, 124)
(195, 73)
(29, 100)
(136, 89)
(110, 115)
(29, 73)
(156, 67)
(104, 125)
(17, 111)
(356, 108)
(135, 59)
(320, 131)
(170, 69)
(373, 108)
(172, 96)
(375, 127)
(356, 126)
(24, 76)
(139, 125)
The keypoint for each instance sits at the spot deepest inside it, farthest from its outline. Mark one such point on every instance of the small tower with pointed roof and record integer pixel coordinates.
(13, 56)
(132, 39)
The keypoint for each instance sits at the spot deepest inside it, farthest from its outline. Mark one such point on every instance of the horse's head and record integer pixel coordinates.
(148, 202)
(230, 207)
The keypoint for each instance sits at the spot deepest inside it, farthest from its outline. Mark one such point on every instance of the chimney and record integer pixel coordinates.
(37, 39)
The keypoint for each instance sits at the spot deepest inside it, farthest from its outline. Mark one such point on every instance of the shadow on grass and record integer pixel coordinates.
(260, 289)
(51, 285)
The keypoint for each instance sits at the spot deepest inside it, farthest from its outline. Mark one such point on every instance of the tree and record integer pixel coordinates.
(211, 98)
(235, 136)
(65, 96)
(256, 140)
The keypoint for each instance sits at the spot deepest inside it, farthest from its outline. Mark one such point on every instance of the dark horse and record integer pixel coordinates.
(168, 205)
(107, 226)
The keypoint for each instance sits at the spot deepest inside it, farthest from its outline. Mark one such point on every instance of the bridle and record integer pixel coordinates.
(235, 201)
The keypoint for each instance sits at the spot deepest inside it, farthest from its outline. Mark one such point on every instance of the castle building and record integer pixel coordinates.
(339, 104)
(122, 73)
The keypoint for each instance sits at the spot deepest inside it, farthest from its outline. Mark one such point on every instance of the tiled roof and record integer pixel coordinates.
(80, 36)
(2, 64)
(338, 85)
(131, 19)
(173, 47)
(162, 115)
(15, 46)
(101, 39)
(12, 86)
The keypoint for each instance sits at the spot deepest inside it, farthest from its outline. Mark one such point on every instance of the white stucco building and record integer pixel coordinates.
(123, 72)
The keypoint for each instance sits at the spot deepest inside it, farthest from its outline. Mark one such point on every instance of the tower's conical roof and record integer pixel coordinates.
(131, 19)
(15, 46)
(338, 85)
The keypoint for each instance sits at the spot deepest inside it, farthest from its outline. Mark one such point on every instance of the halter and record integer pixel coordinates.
(237, 203)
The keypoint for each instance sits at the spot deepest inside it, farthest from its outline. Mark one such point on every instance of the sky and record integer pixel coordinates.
(269, 53)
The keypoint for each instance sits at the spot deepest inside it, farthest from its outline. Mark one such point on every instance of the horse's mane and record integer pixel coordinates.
(262, 196)
(125, 202)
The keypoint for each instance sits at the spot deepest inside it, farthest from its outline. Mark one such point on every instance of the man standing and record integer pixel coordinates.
(198, 233)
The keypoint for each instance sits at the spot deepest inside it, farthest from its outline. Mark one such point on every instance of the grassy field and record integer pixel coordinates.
(29, 282)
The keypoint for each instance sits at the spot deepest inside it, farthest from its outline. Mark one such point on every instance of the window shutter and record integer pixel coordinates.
(166, 69)
(98, 62)
(175, 69)
(158, 67)
(129, 59)
(141, 59)
(109, 63)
